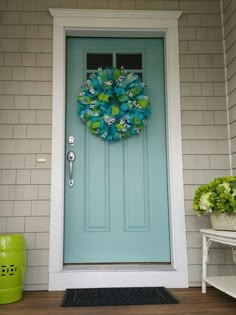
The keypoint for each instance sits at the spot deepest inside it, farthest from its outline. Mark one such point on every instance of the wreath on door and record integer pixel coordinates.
(114, 104)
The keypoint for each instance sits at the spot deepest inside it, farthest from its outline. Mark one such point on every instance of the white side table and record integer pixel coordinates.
(226, 284)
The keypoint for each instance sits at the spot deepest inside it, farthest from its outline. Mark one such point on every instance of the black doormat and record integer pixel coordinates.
(117, 296)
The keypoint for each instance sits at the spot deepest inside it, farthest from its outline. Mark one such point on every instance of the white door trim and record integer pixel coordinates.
(115, 23)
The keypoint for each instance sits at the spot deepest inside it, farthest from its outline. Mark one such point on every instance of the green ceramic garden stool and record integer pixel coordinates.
(12, 267)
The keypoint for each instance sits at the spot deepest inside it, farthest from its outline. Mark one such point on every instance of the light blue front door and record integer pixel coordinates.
(117, 210)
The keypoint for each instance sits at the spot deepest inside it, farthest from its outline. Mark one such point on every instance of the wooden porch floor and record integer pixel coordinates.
(191, 302)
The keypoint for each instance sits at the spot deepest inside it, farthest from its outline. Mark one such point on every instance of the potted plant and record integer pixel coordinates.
(218, 198)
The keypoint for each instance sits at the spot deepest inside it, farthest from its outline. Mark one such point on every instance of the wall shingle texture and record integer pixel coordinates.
(229, 24)
(26, 104)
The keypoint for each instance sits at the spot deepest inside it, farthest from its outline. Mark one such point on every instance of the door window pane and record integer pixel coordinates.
(129, 61)
(95, 61)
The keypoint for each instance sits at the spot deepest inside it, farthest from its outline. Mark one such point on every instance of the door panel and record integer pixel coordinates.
(117, 210)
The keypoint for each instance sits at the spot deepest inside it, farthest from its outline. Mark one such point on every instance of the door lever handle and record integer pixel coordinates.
(71, 158)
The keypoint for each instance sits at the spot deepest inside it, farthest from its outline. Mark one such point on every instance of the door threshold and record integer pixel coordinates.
(119, 267)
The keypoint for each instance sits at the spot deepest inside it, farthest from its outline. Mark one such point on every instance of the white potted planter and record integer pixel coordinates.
(223, 221)
(218, 198)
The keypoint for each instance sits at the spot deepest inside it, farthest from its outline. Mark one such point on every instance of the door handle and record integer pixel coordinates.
(71, 158)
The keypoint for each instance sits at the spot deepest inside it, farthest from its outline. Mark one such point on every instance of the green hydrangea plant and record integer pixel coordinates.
(219, 195)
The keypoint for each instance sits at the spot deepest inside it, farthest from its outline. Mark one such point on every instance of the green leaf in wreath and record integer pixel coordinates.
(95, 124)
(103, 97)
(143, 103)
(115, 110)
(117, 74)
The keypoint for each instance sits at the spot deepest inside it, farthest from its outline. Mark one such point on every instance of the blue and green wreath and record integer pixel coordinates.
(113, 103)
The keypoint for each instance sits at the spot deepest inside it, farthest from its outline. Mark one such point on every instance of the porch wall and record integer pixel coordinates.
(25, 116)
(229, 23)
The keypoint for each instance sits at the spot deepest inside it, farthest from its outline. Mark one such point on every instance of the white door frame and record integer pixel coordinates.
(115, 23)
